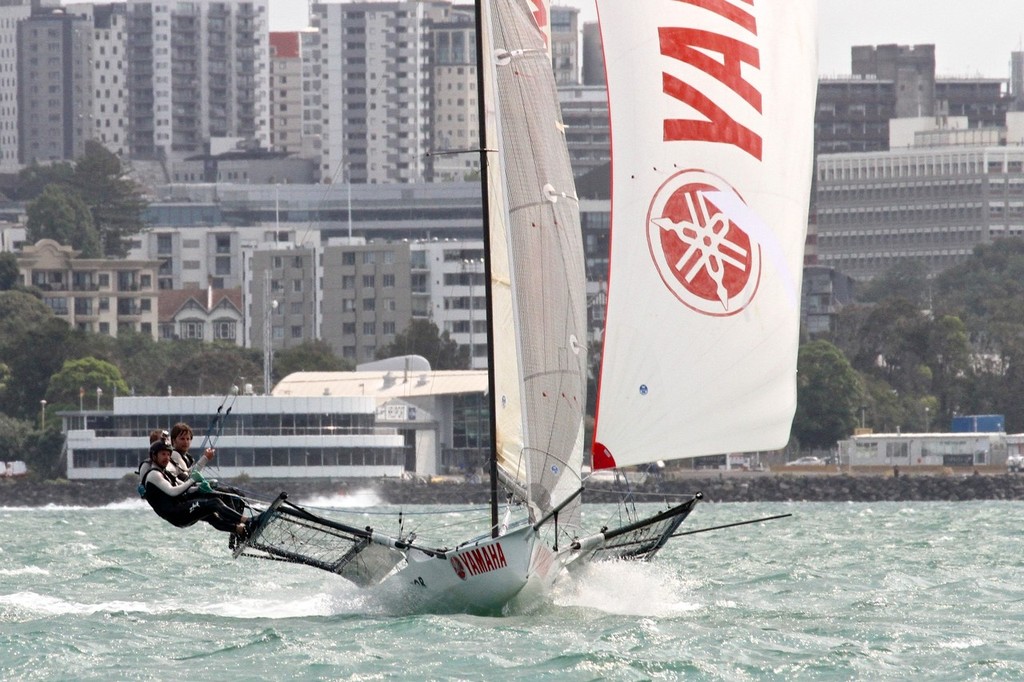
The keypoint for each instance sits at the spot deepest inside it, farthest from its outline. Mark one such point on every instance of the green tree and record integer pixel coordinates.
(33, 345)
(210, 369)
(422, 337)
(59, 213)
(311, 356)
(86, 374)
(113, 198)
(34, 178)
(42, 451)
(828, 396)
(909, 281)
(9, 275)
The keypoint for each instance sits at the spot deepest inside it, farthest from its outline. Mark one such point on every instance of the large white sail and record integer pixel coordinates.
(537, 268)
(712, 105)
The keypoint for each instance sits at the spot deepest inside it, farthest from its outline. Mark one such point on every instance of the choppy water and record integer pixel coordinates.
(882, 591)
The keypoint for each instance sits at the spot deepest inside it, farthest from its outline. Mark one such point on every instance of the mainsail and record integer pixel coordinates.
(537, 268)
(711, 106)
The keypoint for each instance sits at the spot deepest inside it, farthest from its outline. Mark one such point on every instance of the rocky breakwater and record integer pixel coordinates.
(762, 487)
(836, 488)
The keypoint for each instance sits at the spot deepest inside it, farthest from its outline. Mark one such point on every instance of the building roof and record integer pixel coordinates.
(381, 384)
(284, 44)
(172, 301)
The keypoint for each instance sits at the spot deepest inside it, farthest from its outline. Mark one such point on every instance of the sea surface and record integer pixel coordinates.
(879, 591)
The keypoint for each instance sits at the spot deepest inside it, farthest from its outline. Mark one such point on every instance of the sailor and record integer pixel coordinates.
(181, 460)
(181, 502)
(183, 465)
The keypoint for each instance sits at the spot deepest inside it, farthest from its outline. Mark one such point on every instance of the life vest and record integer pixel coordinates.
(166, 507)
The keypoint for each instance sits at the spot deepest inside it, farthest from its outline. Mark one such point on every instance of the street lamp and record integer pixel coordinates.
(42, 415)
(268, 350)
(99, 394)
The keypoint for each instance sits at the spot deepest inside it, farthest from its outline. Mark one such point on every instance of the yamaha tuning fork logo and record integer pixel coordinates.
(705, 259)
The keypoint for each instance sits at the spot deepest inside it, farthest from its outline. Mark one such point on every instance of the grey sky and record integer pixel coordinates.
(970, 38)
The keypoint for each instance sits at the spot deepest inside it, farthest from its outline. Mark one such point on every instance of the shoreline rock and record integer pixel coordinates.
(835, 487)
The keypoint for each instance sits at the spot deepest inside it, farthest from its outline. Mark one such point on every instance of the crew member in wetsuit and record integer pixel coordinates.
(180, 502)
(183, 464)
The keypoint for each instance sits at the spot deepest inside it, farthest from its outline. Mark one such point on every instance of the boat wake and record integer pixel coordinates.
(628, 588)
(359, 499)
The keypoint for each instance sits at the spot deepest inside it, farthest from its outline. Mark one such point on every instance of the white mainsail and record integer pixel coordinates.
(536, 265)
(712, 105)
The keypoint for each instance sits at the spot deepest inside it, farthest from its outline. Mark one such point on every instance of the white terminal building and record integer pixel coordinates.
(376, 423)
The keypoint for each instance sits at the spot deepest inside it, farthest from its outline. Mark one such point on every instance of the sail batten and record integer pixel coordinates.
(711, 110)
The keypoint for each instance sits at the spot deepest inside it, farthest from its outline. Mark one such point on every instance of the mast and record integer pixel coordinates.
(485, 203)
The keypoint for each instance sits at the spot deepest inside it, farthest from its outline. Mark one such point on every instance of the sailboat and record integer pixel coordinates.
(711, 107)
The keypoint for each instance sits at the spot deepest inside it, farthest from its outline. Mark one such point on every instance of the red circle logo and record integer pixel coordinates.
(460, 570)
(705, 259)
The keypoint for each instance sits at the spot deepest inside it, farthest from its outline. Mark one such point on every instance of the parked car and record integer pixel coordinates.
(1015, 463)
(806, 461)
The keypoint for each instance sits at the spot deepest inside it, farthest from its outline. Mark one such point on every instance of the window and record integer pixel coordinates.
(388, 280)
(163, 244)
(297, 285)
(369, 304)
(190, 329)
(224, 330)
(348, 328)
(369, 328)
(296, 331)
(368, 281)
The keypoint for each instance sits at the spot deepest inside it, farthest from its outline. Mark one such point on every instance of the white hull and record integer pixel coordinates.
(480, 577)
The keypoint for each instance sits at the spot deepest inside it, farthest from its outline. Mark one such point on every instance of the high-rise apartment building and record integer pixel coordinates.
(198, 69)
(286, 91)
(565, 45)
(456, 130)
(54, 86)
(377, 89)
(109, 116)
(11, 12)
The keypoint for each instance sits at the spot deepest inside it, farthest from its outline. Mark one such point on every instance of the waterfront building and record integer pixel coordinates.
(935, 450)
(104, 296)
(315, 425)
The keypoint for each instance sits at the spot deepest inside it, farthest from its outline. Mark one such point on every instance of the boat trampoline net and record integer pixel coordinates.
(294, 535)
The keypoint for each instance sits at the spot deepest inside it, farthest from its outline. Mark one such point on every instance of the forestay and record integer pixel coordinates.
(537, 269)
(712, 105)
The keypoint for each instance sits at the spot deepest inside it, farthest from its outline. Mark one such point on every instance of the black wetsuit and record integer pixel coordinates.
(181, 503)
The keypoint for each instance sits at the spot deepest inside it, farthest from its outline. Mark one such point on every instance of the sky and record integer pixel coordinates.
(971, 38)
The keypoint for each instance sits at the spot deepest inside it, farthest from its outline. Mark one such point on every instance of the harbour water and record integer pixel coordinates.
(838, 591)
